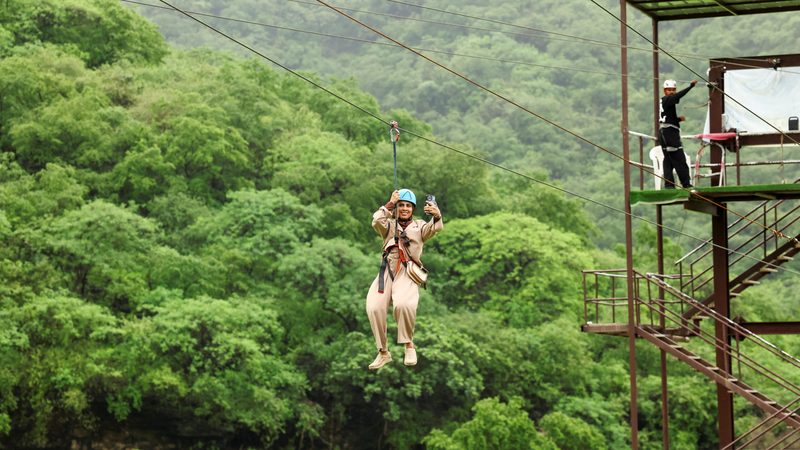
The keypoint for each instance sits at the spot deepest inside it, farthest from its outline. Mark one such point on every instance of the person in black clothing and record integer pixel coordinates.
(669, 135)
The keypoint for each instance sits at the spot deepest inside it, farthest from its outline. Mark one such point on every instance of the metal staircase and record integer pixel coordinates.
(759, 269)
(755, 250)
(660, 318)
(722, 377)
(676, 314)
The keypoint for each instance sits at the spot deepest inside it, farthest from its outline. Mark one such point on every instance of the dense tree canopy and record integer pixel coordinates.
(185, 243)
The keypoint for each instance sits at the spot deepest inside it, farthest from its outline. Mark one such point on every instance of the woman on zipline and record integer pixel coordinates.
(402, 248)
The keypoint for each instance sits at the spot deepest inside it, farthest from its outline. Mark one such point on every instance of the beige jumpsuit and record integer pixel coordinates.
(402, 292)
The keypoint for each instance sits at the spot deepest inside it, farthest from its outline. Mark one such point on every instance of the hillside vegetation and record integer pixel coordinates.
(185, 249)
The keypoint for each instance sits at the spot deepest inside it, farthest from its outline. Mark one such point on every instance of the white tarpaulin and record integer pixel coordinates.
(774, 95)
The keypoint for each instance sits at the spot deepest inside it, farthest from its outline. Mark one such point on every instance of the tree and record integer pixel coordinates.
(542, 365)
(547, 205)
(326, 276)
(28, 203)
(404, 402)
(568, 432)
(495, 425)
(212, 157)
(102, 31)
(105, 250)
(142, 175)
(323, 169)
(212, 370)
(33, 77)
(509, 263)
(49, 348)
(249, 235)
(84, 131)
(28, 199)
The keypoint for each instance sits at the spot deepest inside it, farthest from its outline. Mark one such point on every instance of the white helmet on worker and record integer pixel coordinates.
(670, 84)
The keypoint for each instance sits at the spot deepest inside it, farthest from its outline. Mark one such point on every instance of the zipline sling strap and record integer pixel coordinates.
(394, 136)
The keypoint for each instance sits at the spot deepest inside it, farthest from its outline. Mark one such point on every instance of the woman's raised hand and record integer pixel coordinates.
(433, 210)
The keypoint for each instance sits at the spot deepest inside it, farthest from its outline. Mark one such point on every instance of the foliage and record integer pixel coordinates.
(105, 252)
(186, 242)
(487, 264)
(219, 357)
(248, 236)
(495, 425)
(99, 31)
(569, 432)
(52, 342)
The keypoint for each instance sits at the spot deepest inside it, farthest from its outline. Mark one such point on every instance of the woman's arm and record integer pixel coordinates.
(381, 217)
(434, 225)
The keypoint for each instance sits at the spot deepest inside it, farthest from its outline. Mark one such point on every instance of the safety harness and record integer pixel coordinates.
(402, 257)
(661, 129)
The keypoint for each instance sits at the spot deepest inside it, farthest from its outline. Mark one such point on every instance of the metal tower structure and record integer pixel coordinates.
(682, 312)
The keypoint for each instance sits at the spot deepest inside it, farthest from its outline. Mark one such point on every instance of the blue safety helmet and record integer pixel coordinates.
(408, 196)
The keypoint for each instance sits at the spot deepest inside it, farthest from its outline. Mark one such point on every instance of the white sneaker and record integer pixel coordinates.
(410, 357)
(380, 360)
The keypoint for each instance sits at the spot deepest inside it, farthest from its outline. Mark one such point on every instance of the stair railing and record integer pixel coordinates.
(783, 414)
(767, 420)
(697, 279)
(738, 330)
(687, 268)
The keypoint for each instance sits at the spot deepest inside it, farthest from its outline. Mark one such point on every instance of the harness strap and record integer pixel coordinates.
(385, 265)
(382, 275)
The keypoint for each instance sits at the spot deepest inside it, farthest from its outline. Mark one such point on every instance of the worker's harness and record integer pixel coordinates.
(669, 146)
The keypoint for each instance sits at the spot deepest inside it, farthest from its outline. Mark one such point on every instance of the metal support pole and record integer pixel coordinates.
(662, 323)
(719, 231)
(656, 82)
(715, 110)
(628, 234)
(660, 249)
(738, 167)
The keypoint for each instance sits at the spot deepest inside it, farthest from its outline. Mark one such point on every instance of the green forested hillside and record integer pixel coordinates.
(186, 247)
(560, 59)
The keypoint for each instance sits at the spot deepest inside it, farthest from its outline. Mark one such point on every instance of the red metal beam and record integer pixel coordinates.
(719, 230)
(623, 37)
(772, 327)
(769, 139)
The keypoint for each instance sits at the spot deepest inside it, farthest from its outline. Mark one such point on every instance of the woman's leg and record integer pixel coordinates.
(405, 298)
(377, 305)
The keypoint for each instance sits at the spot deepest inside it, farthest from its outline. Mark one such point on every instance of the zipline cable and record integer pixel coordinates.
(394, 135)
(691, 192)
(595, 202)
(573, 38)
(388, 44)
(578, 38)
(464, 55)
(463, 153)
